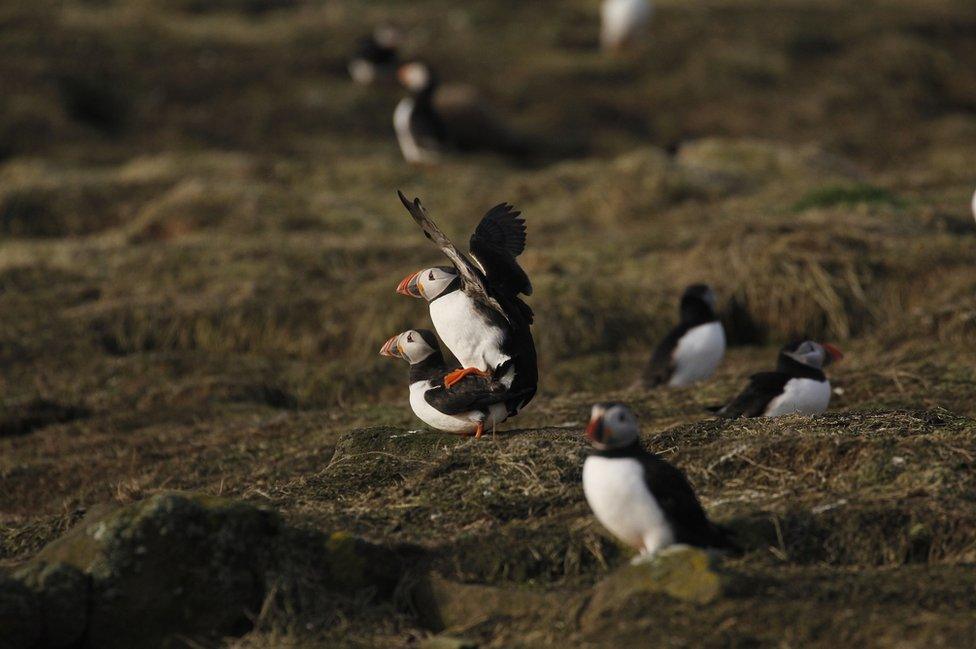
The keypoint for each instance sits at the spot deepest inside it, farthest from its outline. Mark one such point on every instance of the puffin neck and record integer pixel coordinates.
(450, 288)
(798, 370)
(694, 311)
(429, 369)
(631, 450)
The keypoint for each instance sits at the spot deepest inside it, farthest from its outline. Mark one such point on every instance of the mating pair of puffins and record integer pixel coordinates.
(477, 311)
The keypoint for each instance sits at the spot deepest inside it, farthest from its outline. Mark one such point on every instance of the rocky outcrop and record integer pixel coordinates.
(177, 565)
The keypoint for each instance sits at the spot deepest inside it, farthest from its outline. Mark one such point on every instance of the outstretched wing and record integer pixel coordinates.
(677, 499)
(471, 278)
(496, 242)
(752, 402)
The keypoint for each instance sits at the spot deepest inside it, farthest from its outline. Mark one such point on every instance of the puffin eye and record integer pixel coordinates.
(430, 276)
(409, 338)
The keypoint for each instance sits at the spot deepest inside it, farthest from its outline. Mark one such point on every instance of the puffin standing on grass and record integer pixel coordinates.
(623, 23)
(798, 386)
(694, 348)
(644, 501)
(376, 56)
(466, 408)
(475, 304)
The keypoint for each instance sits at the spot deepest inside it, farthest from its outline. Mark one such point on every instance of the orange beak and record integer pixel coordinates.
(594, 430)
(391, 347)
(410, 286)
(835, 354)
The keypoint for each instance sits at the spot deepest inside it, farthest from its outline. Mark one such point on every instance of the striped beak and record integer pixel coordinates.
(833, 353)
(410, 286)
(596, 432)
(392, 348)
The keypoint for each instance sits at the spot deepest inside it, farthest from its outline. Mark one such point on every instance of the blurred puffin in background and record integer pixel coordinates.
(623, 23)
(433, 120)
(376, 59)
(694, 348)
(797, 387)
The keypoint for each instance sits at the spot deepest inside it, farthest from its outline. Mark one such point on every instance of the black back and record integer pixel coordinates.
(694, 311)
(676, 498)
(766, 386)
(369, 50)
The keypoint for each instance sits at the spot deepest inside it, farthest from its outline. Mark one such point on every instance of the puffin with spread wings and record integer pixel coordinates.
(475, 304)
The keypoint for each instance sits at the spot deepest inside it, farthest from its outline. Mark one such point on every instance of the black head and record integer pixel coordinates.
(698, 303)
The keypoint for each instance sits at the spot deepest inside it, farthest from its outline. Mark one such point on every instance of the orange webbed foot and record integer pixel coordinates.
(457, 375)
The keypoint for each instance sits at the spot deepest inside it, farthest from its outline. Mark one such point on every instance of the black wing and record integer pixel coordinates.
(472, 280)
(681, 507)
(496, 242)
(470, 393)
(752, 402)
(661, 366)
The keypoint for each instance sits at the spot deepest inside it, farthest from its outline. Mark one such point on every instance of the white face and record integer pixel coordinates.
(612, 425)
(414, 76)
(428, 283)
(409, 345)
(815, 355)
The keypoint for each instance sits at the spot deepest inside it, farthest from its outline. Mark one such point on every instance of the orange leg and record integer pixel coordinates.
(480, 430)
(457, 375)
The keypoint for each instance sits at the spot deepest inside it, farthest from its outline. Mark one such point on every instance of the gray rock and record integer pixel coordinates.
(174, 564)
(62, 592)
(681, 572)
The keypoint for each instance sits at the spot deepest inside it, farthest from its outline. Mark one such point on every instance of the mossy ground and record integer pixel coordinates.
(199, 242)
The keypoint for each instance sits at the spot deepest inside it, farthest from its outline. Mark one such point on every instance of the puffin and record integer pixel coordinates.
(375, 58)
(798, 386)
(466, 408)
(433, 120)
(644, 501)
(693, 349)
(623, 22)
(475, 305)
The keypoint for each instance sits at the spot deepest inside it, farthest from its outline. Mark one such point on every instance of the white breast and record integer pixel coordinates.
(697, 354)
(623, 22)
(621, 501)
(473, 340)
(463, 423)
(801, 397)
(409, 147)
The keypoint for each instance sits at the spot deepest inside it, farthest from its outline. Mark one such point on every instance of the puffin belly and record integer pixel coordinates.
(472, 338)
(698, 354)
(463, 423)
(800, 397)
(620, 499)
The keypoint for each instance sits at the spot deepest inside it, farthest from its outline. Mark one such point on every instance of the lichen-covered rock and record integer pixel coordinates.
(62, 593)
(174, 564)
(682, 572)
(20, 615)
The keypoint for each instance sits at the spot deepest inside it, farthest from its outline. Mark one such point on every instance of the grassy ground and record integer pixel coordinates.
(199, 242)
